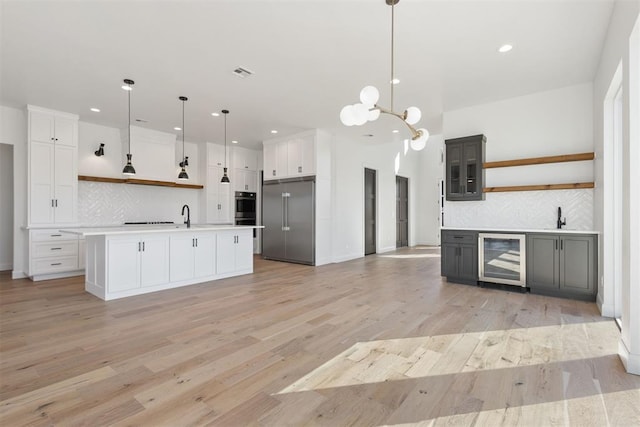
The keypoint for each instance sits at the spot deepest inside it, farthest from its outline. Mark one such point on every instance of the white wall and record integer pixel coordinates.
(89, 138)
(14, 132)
(542, 124)
(6, 207)
(622, 46)
(350, 158)
(430, 173)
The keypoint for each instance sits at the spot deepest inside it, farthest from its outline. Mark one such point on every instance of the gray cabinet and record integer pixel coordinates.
(562, 265)
(459, 256)
(464, 168)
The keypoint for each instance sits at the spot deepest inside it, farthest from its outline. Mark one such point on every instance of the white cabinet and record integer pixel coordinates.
(234, 251)
(216, 155)
(53, 254)
(245, 159)
(192, 256)
(137, 262)
(245, 180)
(53, 167)
(218, 197)
(291, 157)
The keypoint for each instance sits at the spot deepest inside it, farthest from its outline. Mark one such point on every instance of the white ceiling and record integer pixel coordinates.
(310, 58)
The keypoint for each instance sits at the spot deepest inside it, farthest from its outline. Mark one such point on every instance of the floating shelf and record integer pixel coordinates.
(540, 160)
(138, 182)
(539, 187)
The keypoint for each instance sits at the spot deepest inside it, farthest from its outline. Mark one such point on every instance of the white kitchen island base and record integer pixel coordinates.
(131, 261)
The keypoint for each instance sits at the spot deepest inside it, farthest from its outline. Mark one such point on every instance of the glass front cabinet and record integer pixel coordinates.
(465, 174)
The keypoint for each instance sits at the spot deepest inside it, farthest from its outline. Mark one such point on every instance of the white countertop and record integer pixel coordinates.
(146, 229)
(523, 230)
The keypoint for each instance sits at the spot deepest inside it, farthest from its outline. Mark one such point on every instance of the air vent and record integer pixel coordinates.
(242, 72)
(142, 120)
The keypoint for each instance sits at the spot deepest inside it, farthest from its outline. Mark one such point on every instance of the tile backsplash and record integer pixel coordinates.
(524, 209)
(102, 203)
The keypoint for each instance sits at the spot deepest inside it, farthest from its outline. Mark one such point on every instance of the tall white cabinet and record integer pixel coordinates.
(52, 193)
(217, 196)
(53, 167)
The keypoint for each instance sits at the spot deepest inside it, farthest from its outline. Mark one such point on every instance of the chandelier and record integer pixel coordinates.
(368, 110)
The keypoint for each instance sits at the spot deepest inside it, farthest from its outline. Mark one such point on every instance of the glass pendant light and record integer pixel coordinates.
(225, 177)
(183, 173)
(128, 168)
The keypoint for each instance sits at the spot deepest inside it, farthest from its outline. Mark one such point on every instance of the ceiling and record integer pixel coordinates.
(309, 58)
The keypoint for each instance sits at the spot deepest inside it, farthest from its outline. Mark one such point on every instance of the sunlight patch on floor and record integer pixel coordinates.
(398, 359)
(410, 256)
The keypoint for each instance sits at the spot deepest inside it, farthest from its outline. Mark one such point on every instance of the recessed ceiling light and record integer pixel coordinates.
(95, 110)
(505, 48)
(395, 131)
(395, 81)
(234, 142)
(215, 114)
(177, 128)
(274, 131)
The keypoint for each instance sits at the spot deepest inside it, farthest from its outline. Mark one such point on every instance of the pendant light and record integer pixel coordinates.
(369, 110)
(225, 177)
(183, 173)
(128, 168)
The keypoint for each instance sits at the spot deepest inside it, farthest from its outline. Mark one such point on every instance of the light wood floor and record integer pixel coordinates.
(379, 340)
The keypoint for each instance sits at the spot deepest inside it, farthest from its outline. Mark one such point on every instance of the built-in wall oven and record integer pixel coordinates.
(502, 258)
(246, 209)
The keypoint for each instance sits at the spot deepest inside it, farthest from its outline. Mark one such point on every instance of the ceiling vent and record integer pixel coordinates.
(242, 72)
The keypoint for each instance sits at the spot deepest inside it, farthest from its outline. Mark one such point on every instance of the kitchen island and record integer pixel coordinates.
(134, 260)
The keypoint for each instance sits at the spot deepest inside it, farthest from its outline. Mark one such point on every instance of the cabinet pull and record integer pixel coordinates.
(561, 244)
(52, 205)
(56, 235)
(246, 167)
(139, 246)
(556, 245)
(458, 237)
(56, 249)
(299, 169)
(56, 199)
(56, 263)
(196, 243)
(142, 246)
(274, 172)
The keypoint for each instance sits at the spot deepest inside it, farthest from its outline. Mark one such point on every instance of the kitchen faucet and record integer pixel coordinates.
(560, 221)
(188, 220)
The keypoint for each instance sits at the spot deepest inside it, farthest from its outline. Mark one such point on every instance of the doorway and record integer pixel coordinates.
(369, 211)
(6, 207)
(402, 211)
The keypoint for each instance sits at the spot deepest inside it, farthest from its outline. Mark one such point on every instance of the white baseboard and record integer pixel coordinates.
(348, 257)
(387, 249)
(18, 275)
(630, 361)
(606, 310)
(6, 266)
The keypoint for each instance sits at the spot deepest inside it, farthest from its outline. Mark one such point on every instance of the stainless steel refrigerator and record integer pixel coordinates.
(288, 216)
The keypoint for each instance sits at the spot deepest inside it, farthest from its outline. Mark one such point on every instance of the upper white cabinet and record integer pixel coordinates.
(245, 180)
(244, 158)
(216, 155)
(53, 167)
(290, 157)
(218, 197)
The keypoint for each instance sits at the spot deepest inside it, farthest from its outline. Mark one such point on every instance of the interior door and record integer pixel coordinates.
(300, 221)
(273, 239)
(402, 211)
(369, 211)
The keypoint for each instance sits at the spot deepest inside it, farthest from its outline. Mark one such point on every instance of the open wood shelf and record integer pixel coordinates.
(539, 187)
(138, 182)
(540, 160)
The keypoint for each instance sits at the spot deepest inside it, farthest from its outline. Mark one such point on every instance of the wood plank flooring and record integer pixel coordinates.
(381, 340)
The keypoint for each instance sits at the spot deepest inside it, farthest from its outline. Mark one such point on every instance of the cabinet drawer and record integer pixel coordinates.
(54, 249)
(54, 265)
(51, 235)
(452, 236)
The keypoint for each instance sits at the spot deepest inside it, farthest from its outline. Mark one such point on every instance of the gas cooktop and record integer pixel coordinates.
(148, 222)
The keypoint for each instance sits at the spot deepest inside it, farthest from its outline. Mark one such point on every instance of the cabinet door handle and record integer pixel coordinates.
(458, 237)
(52, 205)
(561, 244)
(299, 169)
(196, 243)
(56, 263)
(274, 172)
(56, 235)
(56, 203)
(556, 245)
(246, 167)
(56, 249)
(139, 246)
(142, 246)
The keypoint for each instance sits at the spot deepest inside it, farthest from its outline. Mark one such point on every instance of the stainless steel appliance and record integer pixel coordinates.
(502, 258)
(245, 209)
(288, 216)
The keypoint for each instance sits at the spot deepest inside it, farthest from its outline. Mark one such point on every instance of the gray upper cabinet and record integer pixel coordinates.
(562, 265)
(465, 174)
